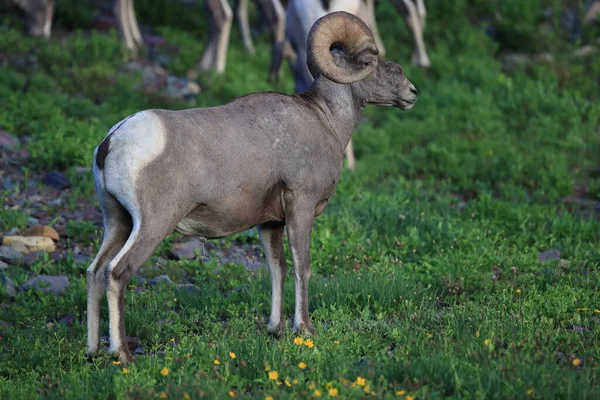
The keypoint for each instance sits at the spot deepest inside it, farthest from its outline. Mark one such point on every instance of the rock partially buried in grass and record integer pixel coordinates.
(188, 250)
(47, 284)
(553, 254)
(8, 141)
(7, 287)
(3, 265)
(162, 280)
(56, 180)
(10, 255)
(42, 230)
(27, 244)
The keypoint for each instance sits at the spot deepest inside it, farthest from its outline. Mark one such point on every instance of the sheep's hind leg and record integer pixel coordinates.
(299, 223)
(271, 237)
(139, 247)
(117, 227)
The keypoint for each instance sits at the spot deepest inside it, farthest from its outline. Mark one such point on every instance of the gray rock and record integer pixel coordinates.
(10, 255)
(553, 254)
(3, 265)
(7, 287)
(47, 284)
(190, 288)
(161, 279)
(8, 141)
(187, 250)
(56, 180)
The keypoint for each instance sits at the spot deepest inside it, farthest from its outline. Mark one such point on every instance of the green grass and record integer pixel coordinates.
(415, 292)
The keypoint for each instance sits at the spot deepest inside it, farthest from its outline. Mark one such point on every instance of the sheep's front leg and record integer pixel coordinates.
(271, 237)
(299, 222)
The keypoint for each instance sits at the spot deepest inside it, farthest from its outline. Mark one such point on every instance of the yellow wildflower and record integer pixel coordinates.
(273, 375)
(175, 299)
(287, 381)
(401, 392)
(336, 342)
(409, 397)
(117, 362)
(172, 340)
(597, 311)
(518, 290)
(360, 381)
(164, 371)
(333, 392)
(576, 362)
(311, 386)
(125, 371)
(231, 393)
(217, 362)
(302, 365)
(367, 389)
(317, 393)
(232, 355)
(486, 341)
(309, 343)
(530, 392)
(429, 335)
(299, 341)
(186, 396)
(269, 398)
(477, 334)
(163, 395)
(267, 367)
(295, 382)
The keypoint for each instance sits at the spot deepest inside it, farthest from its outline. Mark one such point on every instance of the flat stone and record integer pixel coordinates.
(190, 288)
(81, 258)
(8, 141)
(27, 244)
(187, 250)
(10, 255)
(161, 279)
(56, 180)
(564, 263)
(42, 230)
(553, 254)
(47, 284)
(7, 287)
(3, 265)
(33, 257)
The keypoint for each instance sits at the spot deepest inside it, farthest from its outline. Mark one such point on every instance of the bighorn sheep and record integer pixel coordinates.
(40, 13)
(214, 56)
(266, 159)
(301, 14)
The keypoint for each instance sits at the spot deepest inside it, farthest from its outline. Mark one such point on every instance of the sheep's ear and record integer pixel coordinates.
(365, 58)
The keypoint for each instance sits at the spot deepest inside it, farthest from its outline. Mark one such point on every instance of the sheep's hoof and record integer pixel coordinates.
(305, 329)
(124, 357)
(90, 355)
(277, 331)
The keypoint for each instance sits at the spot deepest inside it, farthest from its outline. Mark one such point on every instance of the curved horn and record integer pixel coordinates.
(353, 36)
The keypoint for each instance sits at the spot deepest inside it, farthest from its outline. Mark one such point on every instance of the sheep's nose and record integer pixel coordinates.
(413, 89)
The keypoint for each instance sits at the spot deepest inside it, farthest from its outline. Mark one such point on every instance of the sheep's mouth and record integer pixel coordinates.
(405, 104)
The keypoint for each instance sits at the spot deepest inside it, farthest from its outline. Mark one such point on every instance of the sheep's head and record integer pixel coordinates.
(341, 48)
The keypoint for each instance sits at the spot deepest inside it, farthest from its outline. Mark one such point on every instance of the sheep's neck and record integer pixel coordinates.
(339, 108)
